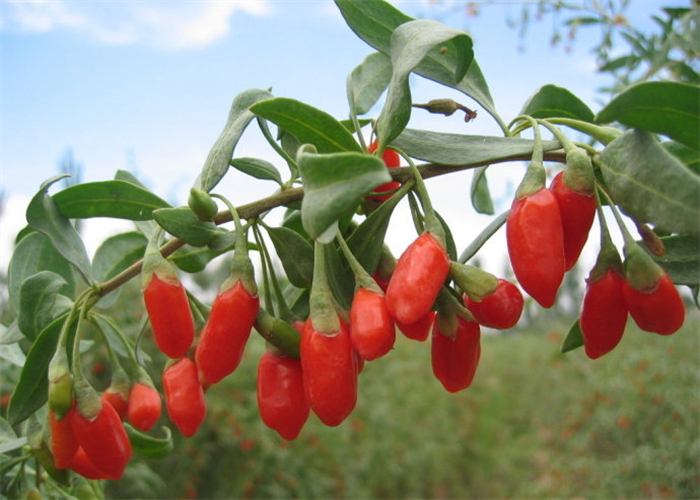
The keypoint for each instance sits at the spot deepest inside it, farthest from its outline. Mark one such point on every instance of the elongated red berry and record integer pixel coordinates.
(117, 401)
(603, 314)
(501, 309)
(82, 465)
(184, 396)
(103, 439)
(64, 444)
(281, 398)
(170, 315)
(144, 406)
(536, 245)
(391, 159)
(419, 330)
(417, 279)
(455, 360)
(226, 333)
(330, 372)
(372, 330)
(658, 309)
(577, 212)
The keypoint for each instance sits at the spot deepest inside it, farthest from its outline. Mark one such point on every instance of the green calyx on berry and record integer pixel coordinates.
(642, 272)
(203, 206)
(475, 282)
(449, 308)
(323, 315)
(279, 333)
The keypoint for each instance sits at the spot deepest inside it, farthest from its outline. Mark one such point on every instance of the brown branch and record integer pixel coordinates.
(289, 195)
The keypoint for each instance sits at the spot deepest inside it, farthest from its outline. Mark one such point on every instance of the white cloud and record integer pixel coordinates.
(167, 25)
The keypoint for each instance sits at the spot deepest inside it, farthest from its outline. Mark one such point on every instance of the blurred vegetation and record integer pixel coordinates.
(535, 424)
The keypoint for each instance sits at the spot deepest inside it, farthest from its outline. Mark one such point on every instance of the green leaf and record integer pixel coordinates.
(457, 149)
(668, 108)
(449, 239)
(260, 169)
(193, 259)
(117, 253)
(183, 223)
(334, 184)
(13, 444)
(551, 101)
(114, 335)
(113, 256)
(650, 185)
(375, 21)
(33, 254)
(44, 215)
(480, 193)
(217, 162)
(116, 199)
(451, 54)
(295, 253)
(13, 354)
(36, 299)
(682, 259)
(31, 390)
(308, 124)
(340, 277)
(368, 81)
(149, 446)
(688, 156)
(147, 227)
(367, 240)
(573, 340)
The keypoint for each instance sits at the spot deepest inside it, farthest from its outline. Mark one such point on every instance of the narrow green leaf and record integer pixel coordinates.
(116, 199)
(340, 277)
(295, 253)
(668, 108)
(33, 254)
(308, 124)
(375, 21)
(217, 162)
(368, 81)
(36, 299)
(480, 193)
(10, 334)
(688, 156)
(193, 259)
(12, 445)
(147, 227)
(114, 335)
(573, 340)
(551, 101)
(260, 169)
(449, 238)
(411, 43)
(457, 149)
(117, 253)
(651, 185)
(183, 223)
(367, 240)
(334, 184)
(682, 259)
(149, 446)
(44, 215)
(31, 390)
(13, 354)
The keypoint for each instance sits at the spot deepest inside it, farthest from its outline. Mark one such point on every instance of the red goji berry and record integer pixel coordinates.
(577, 212)
(226, 333)
(372, 330)
(659, 309)
(536, 245)
(330, 372)
(420, 329)
(144, 406)
(170, 315)
(454, 360)
(281, 398)
(64, 444)
(82, 465)
(391, 160)
(117, 401)
(603, 314)
(103, 439)
(501, 309)
(184, 396)
(416, 281)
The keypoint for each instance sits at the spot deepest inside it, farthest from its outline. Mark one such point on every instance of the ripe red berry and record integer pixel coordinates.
(184, 396)
(170, 315)
(455, 360)
(659, 309)
(372, 330)
(603, 314)
(501, 309)
(144, 406)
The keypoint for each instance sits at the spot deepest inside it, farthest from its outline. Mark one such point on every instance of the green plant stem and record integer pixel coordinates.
(283, 310)
(323, 314)
(362, 277)
(483, 237)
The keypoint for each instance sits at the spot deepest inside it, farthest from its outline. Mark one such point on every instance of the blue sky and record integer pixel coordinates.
(146, 86)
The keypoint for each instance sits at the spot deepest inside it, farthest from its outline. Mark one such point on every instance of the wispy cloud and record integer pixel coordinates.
(167, 25)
